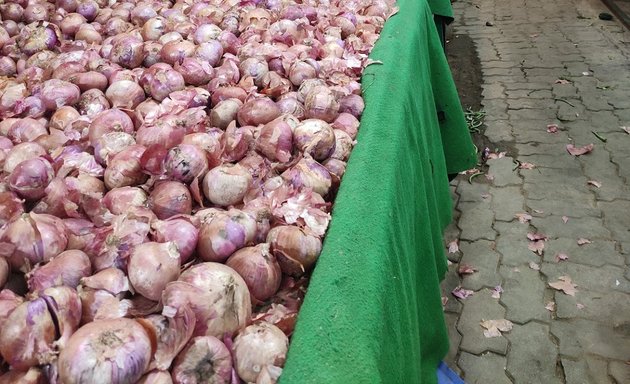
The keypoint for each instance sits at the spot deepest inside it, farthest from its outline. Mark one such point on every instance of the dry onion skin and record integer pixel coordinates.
(158, 156)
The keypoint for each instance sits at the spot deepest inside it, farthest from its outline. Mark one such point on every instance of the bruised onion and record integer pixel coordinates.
(67, 268)
(37, 37)
(30, 178)
(152, 266)
(27, 335)
(275, 140)
(125, 94)
(257, 347)
(179, 230)
(258, 111)
(170, 198)
(111, 351)
(210, 283)
(185, 162)
(120, 200)
(226, 184)
(315, 137)
(64, 305)
(296, 250)
(220, 236)
(259, 268)
(204, 360)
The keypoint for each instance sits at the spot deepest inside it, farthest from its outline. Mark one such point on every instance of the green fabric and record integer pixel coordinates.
(441, 7)
(373, 311)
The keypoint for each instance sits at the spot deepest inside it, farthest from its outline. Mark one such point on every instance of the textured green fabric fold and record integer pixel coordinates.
(373, 311)
(441, 8)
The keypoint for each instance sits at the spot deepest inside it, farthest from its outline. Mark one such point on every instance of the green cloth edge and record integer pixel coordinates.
(373, 310)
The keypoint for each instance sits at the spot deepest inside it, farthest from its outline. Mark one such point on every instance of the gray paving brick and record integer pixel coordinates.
(598, 279)
(494, 91)
(579, 336)
(503, 173)
(587, 227)
(581, 372)
(616, 217)
(524, 114)
(481, 255)
(532, 347)
(506, 202)
(498, 130)
(564, 90)
(597, 254)
(548, 161)
(479, 307)
(523, 295)
(475, 192)
(476, 221)
(620, 371)
(487, 368)
(512, 243)
(612, 307)
(572, 112)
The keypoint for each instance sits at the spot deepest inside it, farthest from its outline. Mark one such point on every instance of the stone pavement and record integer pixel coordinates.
(545, 62)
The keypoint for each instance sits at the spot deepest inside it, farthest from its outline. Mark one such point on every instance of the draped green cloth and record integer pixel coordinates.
(373, 313)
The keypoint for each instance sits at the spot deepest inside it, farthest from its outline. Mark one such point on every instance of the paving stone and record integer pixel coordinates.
(506, 202)
(529, 86)
(616, 217)
(450, 282)
(527, 103)
(576, 227)
(595, 103)
(524, 114)
(581, 372)
(564, 90)
(528, 93)
(572, 112)
(502, 171)
(599, 167)
(547, 161)
(579, 336)
(454, 338)
(605, 121)
(494, 91)
(474, 192)
(538, 134)
(533, 355)
(597, 254)
(481, 255)
(512, 242)
(498, 130)
(495, 109)
(542, 149)
(598, 279)
(487, 368)
(476, 221)
(477, 308)
(523, 295)
(612, 307)
(620, 371)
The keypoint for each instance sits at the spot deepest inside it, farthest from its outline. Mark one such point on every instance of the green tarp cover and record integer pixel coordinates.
(441, 8)
(373, 311)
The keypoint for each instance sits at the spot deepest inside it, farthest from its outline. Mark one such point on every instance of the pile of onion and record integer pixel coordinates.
(167, 170)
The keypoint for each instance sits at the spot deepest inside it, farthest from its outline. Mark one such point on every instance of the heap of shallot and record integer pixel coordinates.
(167, 170)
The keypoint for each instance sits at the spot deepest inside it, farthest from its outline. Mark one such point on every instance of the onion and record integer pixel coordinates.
(67, 268)
(124, 168)
(259, 268)
(210, 51)
(89, 80)
(296, 250)
(71, 23)
(64, 305)
(347, 123)
(301, 71)
(224, 112)
(4, 271)
(27, 335)
(109, 351)
(175, 51)
(204, 360)
(37, 37)
(335, 167)
(152, 266)
(88, 34)
(10, 208)
(206, 32)
(11, 11)
(88, 9)
(30, 178)
(179, 230)
(186, 162)
(255, 67)
(11, 95)
(343, 145)
(220, 236)
(92, 102)
(26, 129)
(275, 140)
(125, 94)
(320, 103)
(258, 111)
(257, 347)
(112, 120)
(57, 93)
(226, 184)
(352, 104)
(7, 66)
(170, 198)
(210, 283)
(194, 71)
(316, 138)
(225, 93)
(156, 377)
(111, 143)
(165, 81)
(32, 376)
(153, 28)
(62, 117)
(120, 200)
(35, 12)
(127, 51)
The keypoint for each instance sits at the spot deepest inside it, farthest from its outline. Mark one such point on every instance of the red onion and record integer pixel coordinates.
(108, 145)
(12, 11)
(205, 359)
(89, 80)
(64, 305)
(120, 200)
(352, 104)
(85, 184)
(152, 160)
(320, 103)
(194, 71)
(88, 34)
(226, 184)
(57, 93)
(112, 280)
(30, 178)
(67, 268)
(62, 117)
(259, 268)
(93, 102)
(163, 82)
(27, 335)
(88, 9)
(125, 94)
(211, 51)
(10, 208)
(26, 129)
(257, 347)
(4, 271)
(179, 230)
(224, 112)
(343, 145)
(124, 168)
(112, 120)
(255, 67)
(71, 23)
(296, 250)
(11, 95)
(35, 12)
(347, 123)
(301, 71)
(222, 235)
(156, 377)
(7, 66)
(153, 28)
(174, 51)
(127, 51)
(335, 167)
(210, 283)
(186, 162)
(275, 140)
(37, 37)
(9, 300)
(258, 111)
(206, 32)
(115, 26)
(113, 351)
(152, 266)
(151, 51)
(32, 376)
(22, 152)
(308, 173)
(170, 198)
(316, 138)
